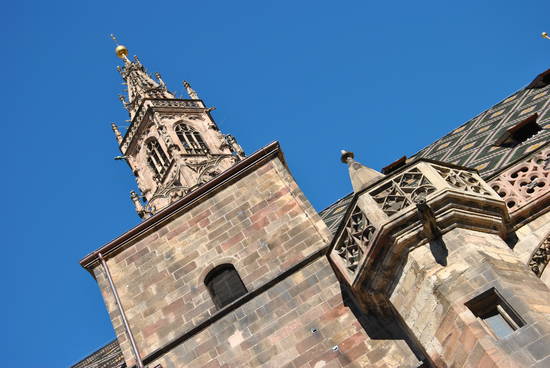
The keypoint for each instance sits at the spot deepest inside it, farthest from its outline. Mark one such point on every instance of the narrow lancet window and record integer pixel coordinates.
(191, 140)
(156, 158)
(224, 285)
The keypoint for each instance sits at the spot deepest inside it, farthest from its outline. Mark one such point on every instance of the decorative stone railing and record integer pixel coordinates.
(408, 208)
(144, 107)
(355, 240)
(525, 187)
(177, 103)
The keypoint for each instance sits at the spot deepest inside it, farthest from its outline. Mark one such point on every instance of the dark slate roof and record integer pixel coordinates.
(109, 356)
(471, 144)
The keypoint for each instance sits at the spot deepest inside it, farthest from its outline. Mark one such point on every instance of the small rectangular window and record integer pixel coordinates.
(496, 313)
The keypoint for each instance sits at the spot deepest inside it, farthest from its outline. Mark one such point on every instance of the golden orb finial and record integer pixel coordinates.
(121, 51)
(545, 35)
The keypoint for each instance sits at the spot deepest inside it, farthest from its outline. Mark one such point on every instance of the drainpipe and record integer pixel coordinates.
(135, 350)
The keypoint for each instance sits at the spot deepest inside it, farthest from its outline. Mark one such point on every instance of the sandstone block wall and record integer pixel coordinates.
(530, 237)
(430, 298)
(262, 224)
(296, 323)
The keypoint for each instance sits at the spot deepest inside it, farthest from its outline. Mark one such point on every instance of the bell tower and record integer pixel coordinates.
(172, 145)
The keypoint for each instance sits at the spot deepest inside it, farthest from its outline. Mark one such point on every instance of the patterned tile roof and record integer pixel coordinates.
(472, 144)
(334, 213)
(109, 356)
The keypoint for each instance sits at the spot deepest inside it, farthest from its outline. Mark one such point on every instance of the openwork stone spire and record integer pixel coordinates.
(360, 175)
(172, 145)
(140, 85)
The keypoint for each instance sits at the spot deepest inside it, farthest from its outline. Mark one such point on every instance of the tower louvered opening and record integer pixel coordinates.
(156, 158)
(191, 140)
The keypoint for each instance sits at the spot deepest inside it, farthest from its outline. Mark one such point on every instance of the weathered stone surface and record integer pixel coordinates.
(262, 224)
(273, 331)
(431, 299)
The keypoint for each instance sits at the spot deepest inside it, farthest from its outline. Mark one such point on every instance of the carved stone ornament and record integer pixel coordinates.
(541, 256)
(355, 240)
(195, 117)
(168, 193)
(463, 180)
(174, 103)
(525, 182)
(401, 191)
(207, 169)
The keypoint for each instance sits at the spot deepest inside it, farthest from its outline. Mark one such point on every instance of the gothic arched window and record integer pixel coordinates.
(224, 285)
(156, 158)
(191, 140)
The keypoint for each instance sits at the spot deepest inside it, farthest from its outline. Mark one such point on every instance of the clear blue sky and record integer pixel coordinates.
(383, 79)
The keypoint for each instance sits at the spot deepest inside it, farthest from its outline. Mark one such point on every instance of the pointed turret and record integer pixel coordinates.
(360, 175)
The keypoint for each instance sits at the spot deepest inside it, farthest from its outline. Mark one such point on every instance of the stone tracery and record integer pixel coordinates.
(524, 182)
(356, 239)
(541, 257)
(402, 190)
(463, 180)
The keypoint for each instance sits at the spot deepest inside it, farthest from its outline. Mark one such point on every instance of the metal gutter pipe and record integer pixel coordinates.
(135, 350)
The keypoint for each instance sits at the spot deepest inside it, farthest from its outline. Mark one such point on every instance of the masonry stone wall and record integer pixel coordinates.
(530, 237)
(431, 295)
(300, 322)
(262, 224)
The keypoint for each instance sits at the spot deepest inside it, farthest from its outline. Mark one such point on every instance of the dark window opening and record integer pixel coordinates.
(191, 140)
(520, 132)
(496, 313)
(224, 285)
(156, 158)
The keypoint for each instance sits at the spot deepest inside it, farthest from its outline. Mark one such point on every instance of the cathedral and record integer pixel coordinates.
(437, 260)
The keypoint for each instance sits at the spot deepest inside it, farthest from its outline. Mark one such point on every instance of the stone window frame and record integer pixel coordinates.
(222, 278)
(156, 157)
(190, 139)
(489, 304)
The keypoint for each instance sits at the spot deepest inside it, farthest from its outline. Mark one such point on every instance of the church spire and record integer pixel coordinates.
(360, 175)
(172, 145)
(139, 84)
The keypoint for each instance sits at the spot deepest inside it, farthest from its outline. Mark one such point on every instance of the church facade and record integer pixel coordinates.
(437, 261)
